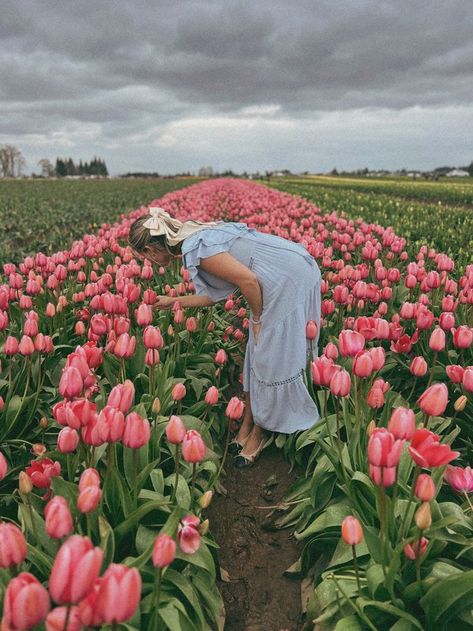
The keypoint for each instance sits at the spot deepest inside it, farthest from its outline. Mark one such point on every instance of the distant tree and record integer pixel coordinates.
(206, 172)
(47, 169)
(469, 168)
(12, 161)
(334, 171)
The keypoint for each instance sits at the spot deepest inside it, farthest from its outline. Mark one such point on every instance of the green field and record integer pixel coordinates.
(45, 215)
(439, 221)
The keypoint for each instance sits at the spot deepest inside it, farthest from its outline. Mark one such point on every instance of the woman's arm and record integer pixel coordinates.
(226, 266)
(166, 302)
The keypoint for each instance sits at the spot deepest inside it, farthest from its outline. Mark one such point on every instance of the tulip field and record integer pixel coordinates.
(115, 420)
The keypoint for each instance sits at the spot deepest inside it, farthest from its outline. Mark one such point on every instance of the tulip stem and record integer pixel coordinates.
(411, 497)
(468, 500)
(356, 566)
(157, 597)
(382, 519)
(176, 480)
(33, 525)
(352, 604)
(432, 370)
(418, 555)
(68, 615)
(133, 470)
(194, 465)
(224, 456)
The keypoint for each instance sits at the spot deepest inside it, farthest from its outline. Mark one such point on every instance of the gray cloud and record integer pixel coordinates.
(129, 69)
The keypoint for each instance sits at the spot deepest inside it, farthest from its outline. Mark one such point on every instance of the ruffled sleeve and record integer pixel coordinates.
(208, 242)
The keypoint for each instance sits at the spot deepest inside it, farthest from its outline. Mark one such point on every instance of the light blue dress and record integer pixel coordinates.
(290, 281)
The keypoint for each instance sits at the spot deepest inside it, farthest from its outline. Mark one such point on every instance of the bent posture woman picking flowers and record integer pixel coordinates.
(280, 281)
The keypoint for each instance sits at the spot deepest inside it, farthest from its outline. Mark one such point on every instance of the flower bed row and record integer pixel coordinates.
(127, 410)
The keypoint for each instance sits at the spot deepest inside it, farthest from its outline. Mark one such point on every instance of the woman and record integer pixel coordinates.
(281, 283)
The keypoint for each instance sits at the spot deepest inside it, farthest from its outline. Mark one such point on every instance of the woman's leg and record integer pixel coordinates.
(247, 422)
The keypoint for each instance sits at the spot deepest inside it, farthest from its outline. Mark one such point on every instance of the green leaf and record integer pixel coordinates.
(135, 517)
(332, 517)
(390, 609)
(39, 559)
(107, 540)
(348, 623)
(448, 598)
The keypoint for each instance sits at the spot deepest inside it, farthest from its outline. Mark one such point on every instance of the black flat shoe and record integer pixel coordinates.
(234, 446)
(247, 460)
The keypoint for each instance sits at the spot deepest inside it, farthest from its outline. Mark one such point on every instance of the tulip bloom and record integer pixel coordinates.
(362, 365)
(58, 518)
(211, 396)
(467, 379)
(323, 369)
(56, 619)
(41, 471)
(352, 534)
(402, 423)
(461, 480)
(75, 569)
(425, 488)
(121, 396)
(418, 366)
(384, 451)
(26, 603)
(426, 450)
(188, 534)
(164, 551)
(175, 430)
(89, 498)
(71, 384)
(3, 462)
(193, 447)
(221, 357)
(340, 383)
(311, 330)
(89, 477)
(350, 343)
(455, 373)
(178, 392)
(67, 440)
(414, 550)
(437, 340)
(119, 593)
(235, 408)
(137, 431)
(110, 424)
(12, 545)
(434, 400)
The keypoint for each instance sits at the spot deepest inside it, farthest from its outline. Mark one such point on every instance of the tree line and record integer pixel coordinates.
(12, 164)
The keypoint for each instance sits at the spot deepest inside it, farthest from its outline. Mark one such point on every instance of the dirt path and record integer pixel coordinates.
(257, 596)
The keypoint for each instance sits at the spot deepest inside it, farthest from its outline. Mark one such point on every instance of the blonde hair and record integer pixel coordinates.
(140, 238)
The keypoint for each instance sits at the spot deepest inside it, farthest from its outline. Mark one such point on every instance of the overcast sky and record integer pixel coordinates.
(255, 85)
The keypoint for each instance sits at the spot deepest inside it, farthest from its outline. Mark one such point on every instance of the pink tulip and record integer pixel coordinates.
(89, 498)
(26, 603)
(340, 383)
(434, 400)
(110, 424)
(137, 431)
(178, 392)
(152, 338)
(193, 447)
(89, 477)
(58, 518)
(211, 396)
(175, 430)
(26, 346)
(164, 551)
(437, 340)
(362, 365)
(311, 330)
(119, 593)
(188, 535)
(463, 337)
(12, 545)
(56, 619)
(221, 357)
(467, 379)
(235, 408)
(124, 346)
(425, 488)
(350, 343)
(67, 440)
(71, 384)
(41, 471)
(461, 480)
(418, 367)
(323, 369)
(144, 315)
(191, 324)
(3, 464)
(75, 569)
(352, 534)
(426, 450)
(152, 357)
(455, 373)
(402, 423)
(416, 549)
(121, 396)
(11, 346)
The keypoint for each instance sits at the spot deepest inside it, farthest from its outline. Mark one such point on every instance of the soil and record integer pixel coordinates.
(254, 553)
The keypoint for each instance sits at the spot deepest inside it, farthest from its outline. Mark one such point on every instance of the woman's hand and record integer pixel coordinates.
(164, 302)
(256, 331)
